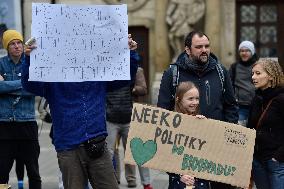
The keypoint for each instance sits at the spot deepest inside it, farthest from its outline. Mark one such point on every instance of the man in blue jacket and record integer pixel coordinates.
(79, 127)
(197, 64)
(18, 128)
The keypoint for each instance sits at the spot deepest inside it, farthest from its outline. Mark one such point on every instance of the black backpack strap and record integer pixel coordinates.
(233, 76)
(175, 73)
(221, 76)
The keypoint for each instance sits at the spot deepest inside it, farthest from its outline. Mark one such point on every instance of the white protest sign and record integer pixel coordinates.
(79, 43)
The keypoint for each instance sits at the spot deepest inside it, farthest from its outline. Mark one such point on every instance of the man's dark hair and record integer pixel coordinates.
(188, 39)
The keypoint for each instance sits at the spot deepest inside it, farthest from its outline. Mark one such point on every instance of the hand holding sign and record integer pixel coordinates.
(131, 43)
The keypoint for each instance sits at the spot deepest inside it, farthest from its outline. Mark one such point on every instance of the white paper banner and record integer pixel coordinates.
(79, 43)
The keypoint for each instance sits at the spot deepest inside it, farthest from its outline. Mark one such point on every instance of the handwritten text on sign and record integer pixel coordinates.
(178, 143)
(79, 43)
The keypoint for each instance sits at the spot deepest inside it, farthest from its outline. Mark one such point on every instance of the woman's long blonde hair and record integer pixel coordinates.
(182, 88)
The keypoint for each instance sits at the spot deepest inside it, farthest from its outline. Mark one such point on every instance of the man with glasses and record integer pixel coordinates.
(240, 73)
(18, 127)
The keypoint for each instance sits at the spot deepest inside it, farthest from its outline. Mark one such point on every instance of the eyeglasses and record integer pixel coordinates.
(15, 43)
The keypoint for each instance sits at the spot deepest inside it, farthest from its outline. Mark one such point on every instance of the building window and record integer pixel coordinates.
(259, 21)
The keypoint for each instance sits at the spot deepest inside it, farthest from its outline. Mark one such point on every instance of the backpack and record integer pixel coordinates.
(44, 111)
(175, 73)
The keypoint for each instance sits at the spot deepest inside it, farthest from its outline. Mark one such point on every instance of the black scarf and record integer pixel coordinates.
(250, 62)
(196, 66)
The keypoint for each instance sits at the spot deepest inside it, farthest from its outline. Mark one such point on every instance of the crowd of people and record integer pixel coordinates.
(89, 117)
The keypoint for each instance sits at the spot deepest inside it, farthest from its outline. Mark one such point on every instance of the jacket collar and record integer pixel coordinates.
(20, 61)
(270, 93)
(250, 62)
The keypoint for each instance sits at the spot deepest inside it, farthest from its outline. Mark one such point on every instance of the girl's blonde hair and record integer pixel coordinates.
(273, 69)
(182, 88)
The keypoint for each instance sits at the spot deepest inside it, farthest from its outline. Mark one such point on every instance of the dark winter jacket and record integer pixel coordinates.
(270, 133)
(240, 73)
(214, 103)
(119, 105)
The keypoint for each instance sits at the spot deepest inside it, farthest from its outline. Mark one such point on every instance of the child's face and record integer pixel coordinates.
(190, 100)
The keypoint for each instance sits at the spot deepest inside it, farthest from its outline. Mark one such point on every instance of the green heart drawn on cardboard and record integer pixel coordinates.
(142, 152)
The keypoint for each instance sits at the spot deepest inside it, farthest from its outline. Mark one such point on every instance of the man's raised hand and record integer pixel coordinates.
(131, 43)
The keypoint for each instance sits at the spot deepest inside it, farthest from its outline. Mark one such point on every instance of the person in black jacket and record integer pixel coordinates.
(198, 65)
(267, 117)
(240, 73)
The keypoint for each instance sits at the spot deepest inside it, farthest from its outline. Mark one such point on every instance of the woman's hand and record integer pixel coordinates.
(132, 44)
(188, 180)
(1, 78)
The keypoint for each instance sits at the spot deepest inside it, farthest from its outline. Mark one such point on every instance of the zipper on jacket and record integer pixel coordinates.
(16, 101)
(207, 92)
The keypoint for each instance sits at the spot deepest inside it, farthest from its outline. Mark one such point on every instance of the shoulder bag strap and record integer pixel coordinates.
(264, 112)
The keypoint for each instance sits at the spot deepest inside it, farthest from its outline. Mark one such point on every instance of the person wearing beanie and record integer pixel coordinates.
(18, 127)
(9, 36)
(240, 73)
(247, 45)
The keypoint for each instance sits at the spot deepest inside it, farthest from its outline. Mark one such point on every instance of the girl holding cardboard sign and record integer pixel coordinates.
(187, 102)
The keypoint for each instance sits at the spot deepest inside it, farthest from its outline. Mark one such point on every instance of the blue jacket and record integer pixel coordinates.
(16, 104)
(77, 108)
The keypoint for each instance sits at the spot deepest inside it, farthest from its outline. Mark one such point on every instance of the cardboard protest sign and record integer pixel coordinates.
(183, 144)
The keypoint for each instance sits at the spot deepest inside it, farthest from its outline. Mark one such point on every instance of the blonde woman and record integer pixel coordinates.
(267, 117)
